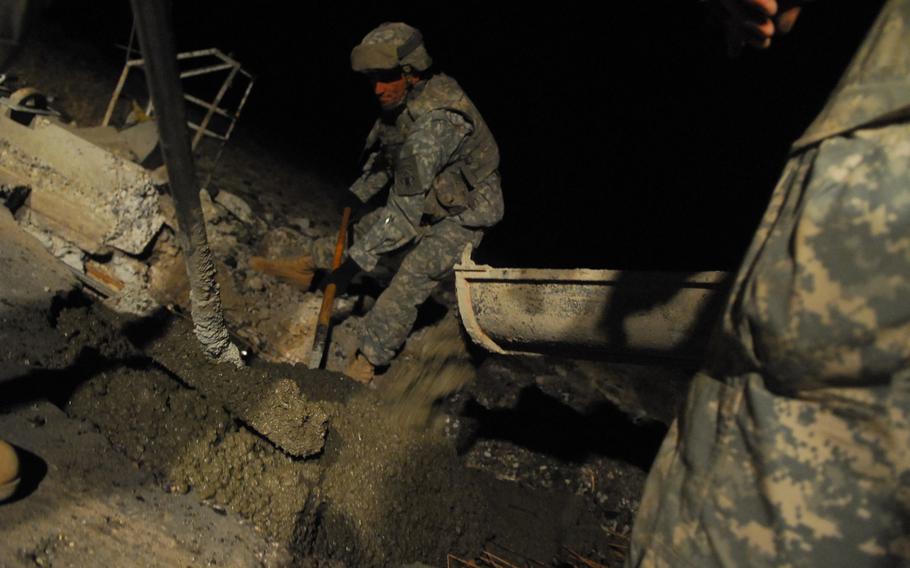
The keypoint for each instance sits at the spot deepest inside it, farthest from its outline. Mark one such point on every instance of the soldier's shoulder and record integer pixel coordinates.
(439, 92)
(444, 84)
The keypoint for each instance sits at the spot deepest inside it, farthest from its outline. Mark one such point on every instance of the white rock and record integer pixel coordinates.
(236, 206)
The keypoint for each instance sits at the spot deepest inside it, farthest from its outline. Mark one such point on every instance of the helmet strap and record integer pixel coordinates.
(410, 45)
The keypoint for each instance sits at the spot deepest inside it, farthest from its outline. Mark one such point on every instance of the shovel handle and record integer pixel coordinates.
(328, 298)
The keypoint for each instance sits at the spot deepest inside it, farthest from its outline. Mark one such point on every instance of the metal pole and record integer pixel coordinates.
(110, 107)
(152, 18)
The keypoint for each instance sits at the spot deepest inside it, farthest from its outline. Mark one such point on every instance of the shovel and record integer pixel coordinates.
(328, 299)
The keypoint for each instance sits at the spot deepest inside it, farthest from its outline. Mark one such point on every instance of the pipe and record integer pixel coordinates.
(156, 39)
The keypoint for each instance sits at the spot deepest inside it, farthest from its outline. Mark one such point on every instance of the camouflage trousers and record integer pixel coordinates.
(793, 448)
(387, 325)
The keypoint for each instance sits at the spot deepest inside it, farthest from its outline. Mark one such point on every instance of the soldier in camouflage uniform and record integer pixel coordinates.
(436, 156)
(793, 448)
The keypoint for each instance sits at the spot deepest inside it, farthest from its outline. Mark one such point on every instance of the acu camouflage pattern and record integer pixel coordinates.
(437, 139)
(794, 445)
(389, 46)
(387, 325)
(440, 162)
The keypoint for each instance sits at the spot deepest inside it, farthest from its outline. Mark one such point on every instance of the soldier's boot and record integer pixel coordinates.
(9, 471)
(360, 369)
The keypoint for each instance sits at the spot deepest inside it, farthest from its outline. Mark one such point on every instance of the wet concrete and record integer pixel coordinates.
(454, 454)
(387, 488)
(268, 402)
(193, 444)
(80, 501)
(88, 505)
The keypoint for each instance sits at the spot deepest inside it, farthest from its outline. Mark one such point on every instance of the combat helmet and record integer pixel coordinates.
(392, 45)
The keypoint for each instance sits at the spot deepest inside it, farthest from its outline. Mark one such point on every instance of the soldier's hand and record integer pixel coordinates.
(341, 277)
(756, 22)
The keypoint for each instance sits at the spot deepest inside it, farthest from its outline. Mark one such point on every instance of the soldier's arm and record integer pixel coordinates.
(429, 146)
(373, 179)
(375, 173)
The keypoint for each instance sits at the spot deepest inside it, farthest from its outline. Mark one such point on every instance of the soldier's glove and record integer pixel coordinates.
(341, 277)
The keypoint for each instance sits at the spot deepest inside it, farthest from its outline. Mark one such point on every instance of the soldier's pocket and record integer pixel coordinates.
(449, 194)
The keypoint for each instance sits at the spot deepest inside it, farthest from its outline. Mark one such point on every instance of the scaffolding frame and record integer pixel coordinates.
(212, 107)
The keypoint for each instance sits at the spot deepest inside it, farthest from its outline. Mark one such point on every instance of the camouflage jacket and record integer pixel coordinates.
(439, 159)
(793, 448)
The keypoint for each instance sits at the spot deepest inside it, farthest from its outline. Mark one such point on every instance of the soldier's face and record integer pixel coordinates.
(390, 88)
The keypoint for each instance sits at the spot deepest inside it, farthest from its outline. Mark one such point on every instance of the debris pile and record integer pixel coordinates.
(112, 222)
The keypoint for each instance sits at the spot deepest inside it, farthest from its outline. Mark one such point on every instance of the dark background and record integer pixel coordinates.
(629, 139)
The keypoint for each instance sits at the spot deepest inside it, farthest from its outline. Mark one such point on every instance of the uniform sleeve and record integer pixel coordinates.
(433, 140)
(375, 174)
(374, 178)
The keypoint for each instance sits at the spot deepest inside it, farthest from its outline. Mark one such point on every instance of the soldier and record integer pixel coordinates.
(793, 448)
(434, 153)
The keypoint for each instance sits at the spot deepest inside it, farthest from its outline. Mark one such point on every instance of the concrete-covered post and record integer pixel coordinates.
(152, 19)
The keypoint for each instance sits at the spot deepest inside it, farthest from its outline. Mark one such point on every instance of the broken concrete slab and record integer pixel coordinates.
(289, 332)
(81, 191)
(134, 143)
(141, 138)
(100, 214)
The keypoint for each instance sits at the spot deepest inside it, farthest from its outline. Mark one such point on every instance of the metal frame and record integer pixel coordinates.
(211, 107)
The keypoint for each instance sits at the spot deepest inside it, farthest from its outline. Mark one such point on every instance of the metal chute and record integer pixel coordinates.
(589, 313)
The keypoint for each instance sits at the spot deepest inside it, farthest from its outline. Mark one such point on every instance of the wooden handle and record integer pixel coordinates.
(328, 299)
(342, 238)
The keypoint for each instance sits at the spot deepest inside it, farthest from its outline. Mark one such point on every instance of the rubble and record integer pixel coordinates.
(102, 216)
(79, 191)
(236, 206)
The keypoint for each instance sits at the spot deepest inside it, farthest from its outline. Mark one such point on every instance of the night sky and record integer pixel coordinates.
(629, 140)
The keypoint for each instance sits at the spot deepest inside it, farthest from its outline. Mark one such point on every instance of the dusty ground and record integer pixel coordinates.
(539, 461)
